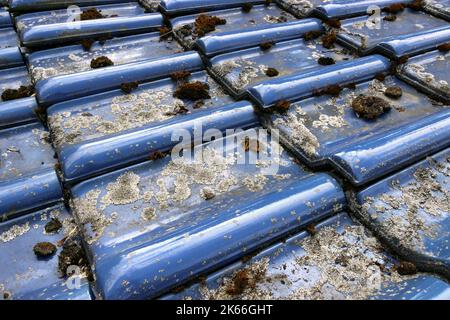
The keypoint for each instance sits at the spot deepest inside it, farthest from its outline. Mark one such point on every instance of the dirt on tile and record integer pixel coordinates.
(53, 226)
(22, 92)
(406, 268)
(380, 76)
(180, 75)
(87, 44)
(444, 47)
(205, 24)
(282, 106)
(192, 91)
(72, 254)
(101, 62)
(91, 14)
(332, 90)
(128, 87)
(164, 33)
(311, 35)
(334, 23)
(329, 39)
(266, 45)
(394, 8)
(44, 249)
(247, 7)
(311, 229)
(272, 72)
(370, 107)
(416, 5)
(326, 61)
(390, 18)
(394, 92)
(157, 155)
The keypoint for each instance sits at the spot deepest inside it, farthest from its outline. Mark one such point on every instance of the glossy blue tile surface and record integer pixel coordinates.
(161, 232)
(365, 35)
(326, 131)
(429, 73)
(339, 9)
(5, 18)
(24, 276)
(67, 87)
(246, 69)
(299, 8)
(39, 5)
(410, 210)
(440, 8)
(177, 7)
(292, 270)
(236, 21)
(73, 59)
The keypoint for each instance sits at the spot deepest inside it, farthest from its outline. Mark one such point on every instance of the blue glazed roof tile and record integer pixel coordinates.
(429, 73)
(439, 8)
(178, 7)
(5, 18)
(339, 9)
(365, 34)
(25, 276)
(299, 268)
(299, 8)
(326, 130)
(40, 5)
(167, 233)
(410, 211)
(73, 59)
(236, 21)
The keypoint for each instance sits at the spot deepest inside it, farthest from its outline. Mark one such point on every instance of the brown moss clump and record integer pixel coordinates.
(326, 61)
(205, 24)
(247, 7)
(193, 91)
(380, 76)
(311, 35)
(416, 5)
(282, 106)
(22, 92)
(394, 8)
(239, 283)
(334, 23)
(180, 75)
(272, 72)
(444, 47)
(311, 229)
(393, 92)
(403, 59)
(87, 44)
(157, 155)
(128, 87)
(332, 90)
(370, 107)
(406, 268)
(390, 18)
(101, 62)
(91, 14)
(72, 254)
(44, 249)
(54, 225)
(266, 45)
(164, 33)
(329, 39)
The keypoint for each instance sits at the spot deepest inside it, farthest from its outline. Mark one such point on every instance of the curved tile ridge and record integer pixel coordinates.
(39, 5)
(113, 152)
(394, 149)
(439, 8)
(165, 232)
(230, 41)
(72, 31)
(28, 193)
(66, 87)
(412, 44)
(5, 18)
(175, 7)
(16, 112)
(338, 9)
(27, 277)
(304, 84)
(10, 57)
(429, 73)
(295, 269)
(410, 212)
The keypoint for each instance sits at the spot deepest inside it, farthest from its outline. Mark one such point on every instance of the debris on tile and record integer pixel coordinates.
(334, 23)
(157, 155)
(207, 193)
(164, 33)
(266, 45)
(14, 232)
(370, 107)
(406, 268)
(332, 90)
(87, 44)
(205, 24)
(444, 47)
(72, 254)
(192, 91)
(247, 7)
(394, 92)
(148, 214)
(394, 8)
(128, 87)
(180, 75)
(326, 61)
(44, 249)
(53, 226)
(416, 5)
(21, 92)
(390, 18)
(272, 72)
(282, 106)
(311, 229)
(329, 39)
(91, 14)
(311, 35)
(101, 62)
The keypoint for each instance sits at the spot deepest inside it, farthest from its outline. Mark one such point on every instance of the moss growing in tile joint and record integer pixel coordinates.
(192, 91)
(91, 14)
(180, 75)
(370, 107)
(128, 87)
(205, 24)
(101, 62)
(21, 92)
